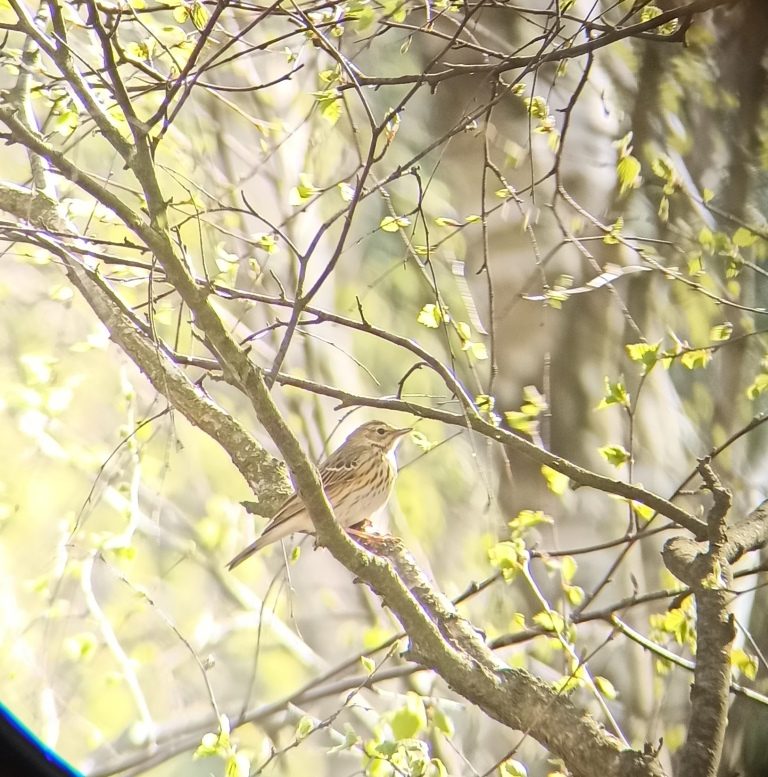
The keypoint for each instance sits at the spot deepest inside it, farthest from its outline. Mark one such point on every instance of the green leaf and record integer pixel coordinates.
(393, 223)
(742, 237)
(330, 104)
(300, 194)
(479, 351)
(421, 441)
(557, 483)
(181, 13)
(575, 594)
(444, 221)
(706, 239)
(217, 743)
(513, 768)
(614, 233)
(624, 145)
(430, 316)
(396, 10)
(759, 386)
(329, 76)
(534, 404)
(369, 665)
(643, 512)
(509, 558)
(568, 683)
(442, 722)
(66, 122)
(267, 242)
(663, 210)
(614, 454)
(521, 422)
(662, 166)
(649, 12)
(238, 765)
(350, 740)
(549, 620)
(438, 768)
(304, 727)
(721, 332)
(615, 394)
(606, 687)
(647, 353)
(208, 746)
(463, 331)
(568, 568)
(698, 359)
(526, 519)
(628, 170)
(411, 719)
(365, 18)
(195, 11)
(485, 403)
(537, 107)
(744, 663)
(387, 748)
(674, 623)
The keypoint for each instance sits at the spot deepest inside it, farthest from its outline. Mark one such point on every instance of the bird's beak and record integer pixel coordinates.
(398, 434)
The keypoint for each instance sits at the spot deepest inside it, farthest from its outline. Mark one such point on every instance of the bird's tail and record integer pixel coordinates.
(280, 526)
(254, 547)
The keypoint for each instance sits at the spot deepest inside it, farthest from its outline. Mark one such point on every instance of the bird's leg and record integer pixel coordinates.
(362, 527)
(373, 541)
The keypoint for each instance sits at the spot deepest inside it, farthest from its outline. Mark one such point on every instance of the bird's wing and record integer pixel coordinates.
(291, 507)
(337, 469)
(333, 471)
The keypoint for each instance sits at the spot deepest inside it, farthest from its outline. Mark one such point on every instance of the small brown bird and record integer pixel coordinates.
(357, 479)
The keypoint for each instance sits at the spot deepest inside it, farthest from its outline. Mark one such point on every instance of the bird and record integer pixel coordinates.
(357, 479)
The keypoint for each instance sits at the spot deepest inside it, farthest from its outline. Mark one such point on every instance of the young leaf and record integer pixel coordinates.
(549, 620)
(628, 171)
(698, 359)
(393, 223)
(615, 394)
(410, 719)
(615, 454)
(742, 237)
(557, 483)
(647, 353)
(721, 332)
(304, 727)
(606, 687)
(513, 768)
(430, 316)
(613, 235)
(509, 558)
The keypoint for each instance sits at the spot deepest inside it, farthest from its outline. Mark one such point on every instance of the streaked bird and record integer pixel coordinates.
(357, 479)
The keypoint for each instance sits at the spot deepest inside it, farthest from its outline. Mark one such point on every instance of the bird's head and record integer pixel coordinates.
(379, 434)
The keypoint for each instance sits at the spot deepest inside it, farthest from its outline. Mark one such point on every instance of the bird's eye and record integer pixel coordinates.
(381, 430)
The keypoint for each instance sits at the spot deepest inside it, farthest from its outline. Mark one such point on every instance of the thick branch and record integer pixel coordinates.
(706, 570)
(264, 474)
(512, 697)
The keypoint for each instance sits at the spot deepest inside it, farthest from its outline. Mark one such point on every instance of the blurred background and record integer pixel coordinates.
(523, 229)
